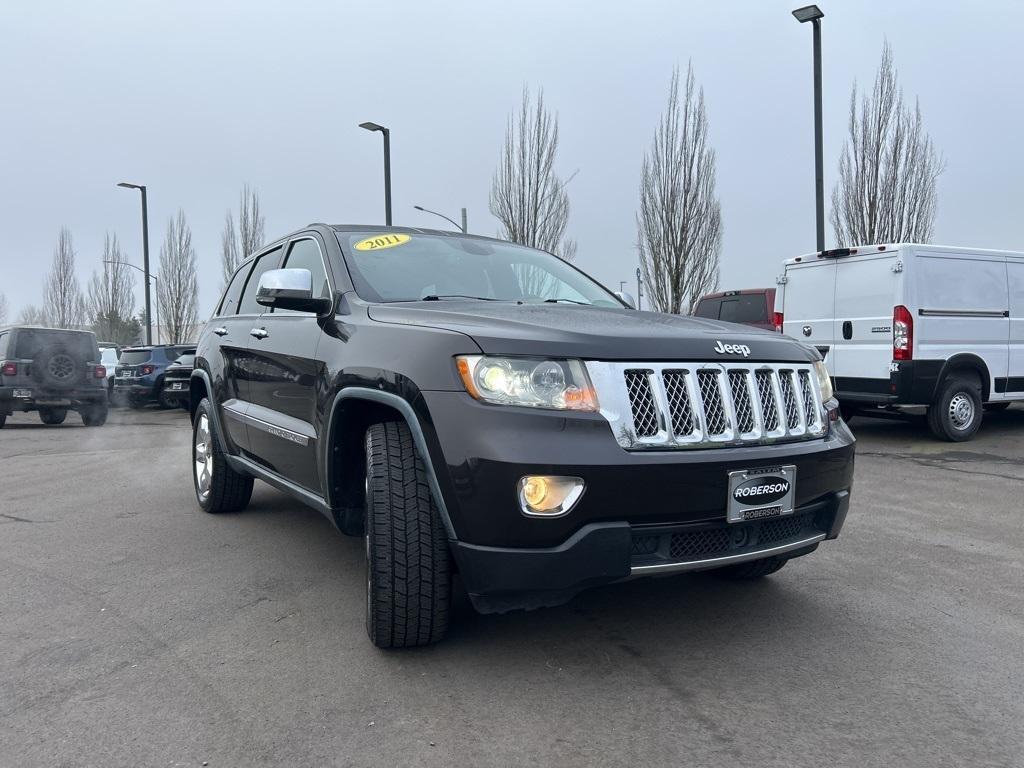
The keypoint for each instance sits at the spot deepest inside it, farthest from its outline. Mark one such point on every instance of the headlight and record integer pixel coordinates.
(559, 384)
(824, 382)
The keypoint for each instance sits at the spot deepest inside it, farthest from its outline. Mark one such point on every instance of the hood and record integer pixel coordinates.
(595, 333)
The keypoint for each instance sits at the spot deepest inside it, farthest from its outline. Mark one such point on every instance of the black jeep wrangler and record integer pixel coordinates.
(52, 371)
(479, 408)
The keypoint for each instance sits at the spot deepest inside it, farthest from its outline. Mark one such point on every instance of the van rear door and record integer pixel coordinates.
(808, 303)
(867, 288)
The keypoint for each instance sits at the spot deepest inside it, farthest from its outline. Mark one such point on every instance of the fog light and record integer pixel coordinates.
(549, 495)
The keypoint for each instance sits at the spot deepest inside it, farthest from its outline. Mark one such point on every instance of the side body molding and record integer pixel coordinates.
(402, 406)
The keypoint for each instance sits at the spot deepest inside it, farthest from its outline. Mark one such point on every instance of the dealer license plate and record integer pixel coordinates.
(177, 385)
(23, 393)
(756, 494)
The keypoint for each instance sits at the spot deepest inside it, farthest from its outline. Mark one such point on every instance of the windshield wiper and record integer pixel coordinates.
(439, 296)
(571, 301)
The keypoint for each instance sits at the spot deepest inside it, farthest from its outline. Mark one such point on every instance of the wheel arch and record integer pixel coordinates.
(353, 410)
(966, 361)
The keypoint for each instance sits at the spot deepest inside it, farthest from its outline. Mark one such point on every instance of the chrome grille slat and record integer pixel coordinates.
(704, 405)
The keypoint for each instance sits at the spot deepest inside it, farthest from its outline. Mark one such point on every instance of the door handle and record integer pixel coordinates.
(259, 333)
(847, 329)
(222, 331)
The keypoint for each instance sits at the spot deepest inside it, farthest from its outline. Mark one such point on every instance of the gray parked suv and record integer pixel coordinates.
(52, 371)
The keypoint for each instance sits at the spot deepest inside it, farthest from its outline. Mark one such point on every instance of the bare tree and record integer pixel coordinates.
(3, 310)
(679, 226)
(236, 244)
(33, 315)
(110, 296)
(179, 287)
(62, 296)
(888, 170)
(527, 196)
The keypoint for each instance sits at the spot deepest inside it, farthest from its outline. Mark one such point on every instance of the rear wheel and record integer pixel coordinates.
(165, 399)
(135, 402)
(408, 566)
(218, 487)
(53, 415)
(754, 569)
(955, 415)
(94, 415)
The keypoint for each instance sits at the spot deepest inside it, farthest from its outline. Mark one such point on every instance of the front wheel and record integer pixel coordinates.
(53, 416)
(408, 566)
(218, 487)
(956, 413)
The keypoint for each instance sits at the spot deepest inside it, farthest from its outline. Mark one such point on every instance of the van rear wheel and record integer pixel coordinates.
(955, 415)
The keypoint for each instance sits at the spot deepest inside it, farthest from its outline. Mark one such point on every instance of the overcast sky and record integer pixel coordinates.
(195, 98)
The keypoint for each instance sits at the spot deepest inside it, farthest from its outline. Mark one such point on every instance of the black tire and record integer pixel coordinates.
(955, 415)
(228, 490)
(57, 367)
(53, 416)
(165, 399)
(3, 420)
(996, 407)
(94, 415)
(754, 569)
(408, 565)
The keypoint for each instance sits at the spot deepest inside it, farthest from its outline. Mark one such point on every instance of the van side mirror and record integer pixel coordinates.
(290, 289)
(626, 299)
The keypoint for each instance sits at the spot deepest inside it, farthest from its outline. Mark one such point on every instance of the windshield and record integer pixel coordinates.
(389, 266)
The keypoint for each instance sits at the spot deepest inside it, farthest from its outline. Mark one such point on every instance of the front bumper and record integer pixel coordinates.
(503, 579)
(510, 560)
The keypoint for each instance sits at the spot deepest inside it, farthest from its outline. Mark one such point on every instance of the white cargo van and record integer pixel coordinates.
(913, 325)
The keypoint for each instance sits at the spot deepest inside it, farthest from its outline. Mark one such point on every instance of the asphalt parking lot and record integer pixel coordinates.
(137, 630)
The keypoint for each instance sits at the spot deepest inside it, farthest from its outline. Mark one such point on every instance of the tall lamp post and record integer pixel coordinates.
(145, 252)
(639, 290)
(813, 14)
(387, 166)
(461, 227)
(155, 280)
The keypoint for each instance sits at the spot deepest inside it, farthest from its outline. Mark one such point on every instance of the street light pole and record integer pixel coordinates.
(145, 253)
(387, 166)
(461, 228)
(639, 291)
(149, 277)
(814, 15)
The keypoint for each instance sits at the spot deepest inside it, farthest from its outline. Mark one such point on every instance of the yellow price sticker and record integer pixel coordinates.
(379, 242)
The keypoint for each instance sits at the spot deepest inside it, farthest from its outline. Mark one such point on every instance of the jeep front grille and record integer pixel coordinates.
(706, 405)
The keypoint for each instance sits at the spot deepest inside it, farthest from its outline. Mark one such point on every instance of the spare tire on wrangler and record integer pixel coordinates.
(57, 367)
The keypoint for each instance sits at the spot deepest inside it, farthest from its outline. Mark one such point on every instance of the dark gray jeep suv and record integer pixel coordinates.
(52, 371)
(479, 408)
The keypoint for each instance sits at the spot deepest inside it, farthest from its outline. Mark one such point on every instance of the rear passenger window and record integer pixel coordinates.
(229, 304)
(750, 308)
(708, 308)
(305, 254)
(3, 345)
(248, 305)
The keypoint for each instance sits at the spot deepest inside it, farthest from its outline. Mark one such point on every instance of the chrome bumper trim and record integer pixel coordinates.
(715, 562)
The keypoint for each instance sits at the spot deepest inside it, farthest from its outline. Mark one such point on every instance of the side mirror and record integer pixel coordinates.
(290, 289)
(626, 299)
